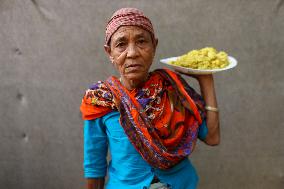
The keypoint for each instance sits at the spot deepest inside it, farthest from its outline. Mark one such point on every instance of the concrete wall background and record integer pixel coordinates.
(52, 50)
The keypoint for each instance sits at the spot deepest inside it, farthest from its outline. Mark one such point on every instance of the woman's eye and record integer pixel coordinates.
(141, 41)
(120, 44)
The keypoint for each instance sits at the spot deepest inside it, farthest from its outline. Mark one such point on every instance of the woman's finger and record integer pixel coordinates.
(120, 60)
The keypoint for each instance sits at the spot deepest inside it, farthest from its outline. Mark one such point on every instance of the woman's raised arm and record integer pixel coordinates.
(207, 89)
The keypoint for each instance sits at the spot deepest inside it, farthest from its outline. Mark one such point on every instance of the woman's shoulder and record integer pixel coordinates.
(97, 90)
(97, 101)
(96, 85)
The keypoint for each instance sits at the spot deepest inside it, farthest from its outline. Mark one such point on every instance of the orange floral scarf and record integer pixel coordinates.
(161, 118)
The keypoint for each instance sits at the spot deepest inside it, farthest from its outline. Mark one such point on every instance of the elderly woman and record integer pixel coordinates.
(149, 121)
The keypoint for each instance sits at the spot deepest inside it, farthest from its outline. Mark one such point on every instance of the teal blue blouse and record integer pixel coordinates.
(127, 169)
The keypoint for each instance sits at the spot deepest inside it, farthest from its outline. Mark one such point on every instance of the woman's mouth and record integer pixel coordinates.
(132, 67)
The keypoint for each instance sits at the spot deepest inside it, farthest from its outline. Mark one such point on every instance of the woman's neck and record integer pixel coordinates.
(131, 84)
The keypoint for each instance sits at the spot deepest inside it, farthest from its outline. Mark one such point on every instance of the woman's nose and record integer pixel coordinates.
(132, 51)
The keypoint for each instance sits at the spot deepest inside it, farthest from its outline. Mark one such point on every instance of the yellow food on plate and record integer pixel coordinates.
(205, 58)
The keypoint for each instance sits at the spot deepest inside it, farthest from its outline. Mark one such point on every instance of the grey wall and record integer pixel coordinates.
(50, 51)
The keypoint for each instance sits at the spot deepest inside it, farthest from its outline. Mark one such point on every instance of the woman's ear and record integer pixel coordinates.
(108, 51)
(155, 43)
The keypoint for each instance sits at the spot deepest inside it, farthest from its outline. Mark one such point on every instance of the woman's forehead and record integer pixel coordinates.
(126, 31)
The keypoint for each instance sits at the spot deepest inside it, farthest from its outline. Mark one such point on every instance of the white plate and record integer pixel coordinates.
(232, 63)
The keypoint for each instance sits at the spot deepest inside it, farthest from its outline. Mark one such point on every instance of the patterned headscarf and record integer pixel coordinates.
(128, 17)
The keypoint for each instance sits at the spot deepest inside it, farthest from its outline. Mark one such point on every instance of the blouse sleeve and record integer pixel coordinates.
(203, 131)
(95, 148)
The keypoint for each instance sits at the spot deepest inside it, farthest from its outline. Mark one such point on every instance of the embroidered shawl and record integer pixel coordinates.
(160, 118)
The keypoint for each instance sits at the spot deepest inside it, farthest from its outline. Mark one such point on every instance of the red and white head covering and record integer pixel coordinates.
(128, 17)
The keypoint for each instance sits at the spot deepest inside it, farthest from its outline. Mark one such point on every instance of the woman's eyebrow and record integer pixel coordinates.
(140, 35)
(119, 39)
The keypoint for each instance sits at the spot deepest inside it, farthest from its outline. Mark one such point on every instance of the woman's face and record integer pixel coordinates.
(132, 50)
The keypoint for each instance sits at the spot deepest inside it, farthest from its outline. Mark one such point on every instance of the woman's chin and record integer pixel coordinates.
(136, 77)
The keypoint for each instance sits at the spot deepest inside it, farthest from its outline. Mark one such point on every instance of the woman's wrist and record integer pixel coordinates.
(211, 108)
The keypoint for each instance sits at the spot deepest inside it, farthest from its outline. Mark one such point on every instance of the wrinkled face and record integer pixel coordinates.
(132, 50)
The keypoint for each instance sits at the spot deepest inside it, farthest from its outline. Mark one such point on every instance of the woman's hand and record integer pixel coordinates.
(119, 61)
(204, 78)
(95, 183)
(201, 78)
